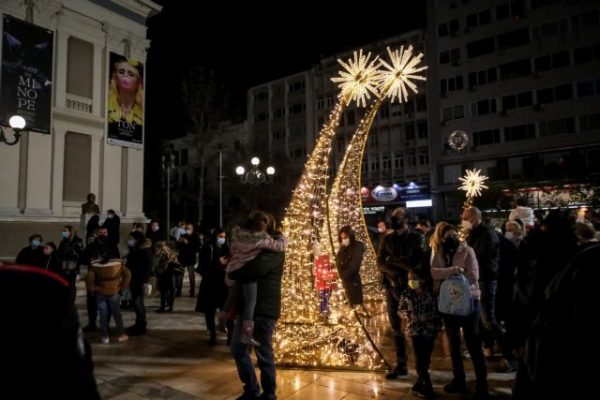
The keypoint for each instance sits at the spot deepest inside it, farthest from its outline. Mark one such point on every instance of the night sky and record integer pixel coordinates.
(252, 44)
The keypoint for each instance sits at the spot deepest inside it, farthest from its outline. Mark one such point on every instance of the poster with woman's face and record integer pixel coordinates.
(125, 111)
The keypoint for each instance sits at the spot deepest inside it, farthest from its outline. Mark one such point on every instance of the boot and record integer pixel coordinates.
(247, 331)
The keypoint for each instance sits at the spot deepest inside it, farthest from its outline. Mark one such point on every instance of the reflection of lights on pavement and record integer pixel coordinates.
(297, 383)
(332, 385)
(375, 391)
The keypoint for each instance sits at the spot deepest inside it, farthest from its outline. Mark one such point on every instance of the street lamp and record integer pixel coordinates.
(17, 123)
(168, 162)
(254, 176)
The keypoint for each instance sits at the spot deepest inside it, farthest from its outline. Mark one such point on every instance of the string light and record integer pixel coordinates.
(337, 338)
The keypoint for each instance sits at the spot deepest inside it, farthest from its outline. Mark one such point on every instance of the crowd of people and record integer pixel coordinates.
(522, 288)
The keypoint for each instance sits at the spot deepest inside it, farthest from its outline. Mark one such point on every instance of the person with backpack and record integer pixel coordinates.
(454, 268)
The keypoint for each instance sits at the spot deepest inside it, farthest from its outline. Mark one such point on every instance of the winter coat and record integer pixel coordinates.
(213, 291)
(398, 254)
(348, 260)
(30, 256)
(139, 262)
(463, 258)
(266, 269)
(484, 241)
(107, 279)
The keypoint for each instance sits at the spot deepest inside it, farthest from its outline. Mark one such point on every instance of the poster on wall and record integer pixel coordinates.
(125, 111)
(26, 74)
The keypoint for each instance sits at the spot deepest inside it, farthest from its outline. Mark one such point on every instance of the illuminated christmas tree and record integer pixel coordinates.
(306, 336)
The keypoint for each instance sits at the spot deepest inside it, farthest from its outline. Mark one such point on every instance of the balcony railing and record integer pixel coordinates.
(78, 103)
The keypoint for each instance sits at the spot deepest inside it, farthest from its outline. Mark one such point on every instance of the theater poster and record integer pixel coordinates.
(125, 111)
(26, 74)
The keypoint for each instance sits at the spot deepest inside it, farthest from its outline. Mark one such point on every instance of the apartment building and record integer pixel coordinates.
(285, 116)
(522, 78)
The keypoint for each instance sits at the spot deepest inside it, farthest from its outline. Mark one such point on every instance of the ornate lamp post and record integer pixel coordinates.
(17, 123)
(254, 176)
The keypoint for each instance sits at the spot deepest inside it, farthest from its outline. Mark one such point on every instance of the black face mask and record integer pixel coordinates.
(450, 244)
(397, 223)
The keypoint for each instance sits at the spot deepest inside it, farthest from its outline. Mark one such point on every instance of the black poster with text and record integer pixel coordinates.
(26, 74)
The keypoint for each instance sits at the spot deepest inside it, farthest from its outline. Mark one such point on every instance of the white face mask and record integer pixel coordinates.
(381, 230)
(466, 225)
(154, 228)
(509, 235)
(345, 242)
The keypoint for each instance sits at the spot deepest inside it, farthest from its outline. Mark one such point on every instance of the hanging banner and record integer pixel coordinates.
(26, 74)
(125, 117)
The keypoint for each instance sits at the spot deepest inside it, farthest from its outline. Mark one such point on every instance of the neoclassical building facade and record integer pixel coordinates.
(45, 177)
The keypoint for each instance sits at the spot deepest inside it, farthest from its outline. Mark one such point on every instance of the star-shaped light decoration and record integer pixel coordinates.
(395, 77)
(473, 182)
(359, 78)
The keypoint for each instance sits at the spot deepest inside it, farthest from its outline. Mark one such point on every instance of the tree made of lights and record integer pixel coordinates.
(305, 337)
(345, 202)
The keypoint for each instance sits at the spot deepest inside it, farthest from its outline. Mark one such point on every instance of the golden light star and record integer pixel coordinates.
(359, 78)
(473, 182)
(395, 77)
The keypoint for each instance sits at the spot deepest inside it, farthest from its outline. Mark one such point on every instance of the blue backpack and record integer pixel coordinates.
(455, 296)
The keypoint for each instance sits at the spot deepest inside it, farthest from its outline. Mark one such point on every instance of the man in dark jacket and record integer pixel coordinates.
(266, 269)
(99, 248)
(484, 241)
(399, 252)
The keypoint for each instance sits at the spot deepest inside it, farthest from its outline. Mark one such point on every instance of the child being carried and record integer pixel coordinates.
(247, 242)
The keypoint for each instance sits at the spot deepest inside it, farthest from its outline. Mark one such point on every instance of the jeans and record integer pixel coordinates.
(470, 327)
(324, 295)
(139, 308)
(423, 346)
(108, 305)
(488, 318)
(263, 332)
(396, 323)
(92, 309)
(249, 293)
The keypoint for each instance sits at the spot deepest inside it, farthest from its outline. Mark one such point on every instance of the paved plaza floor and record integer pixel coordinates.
(174, 361)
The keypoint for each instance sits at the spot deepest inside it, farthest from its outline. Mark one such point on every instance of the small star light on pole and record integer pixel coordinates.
(473, 183)
(397, 76)
(359, 78)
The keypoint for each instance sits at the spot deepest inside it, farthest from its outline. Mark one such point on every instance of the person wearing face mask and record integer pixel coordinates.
(52, 259)
(99, 248)
(213, 291)
(418, 307)
(70, 251)
(153, 232)
(139, 262)
(399, 252)
(348, 260)
(113, 226)
(486, 245)
(377, 236)
(451, 256)
(188, 246)
(33, 254)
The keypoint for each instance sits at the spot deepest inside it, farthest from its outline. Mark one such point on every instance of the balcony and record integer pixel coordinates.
(78, 103)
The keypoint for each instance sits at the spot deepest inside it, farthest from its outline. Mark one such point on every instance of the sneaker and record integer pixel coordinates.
(123, 338)
(455, 386)
(250, 341)
(105, 340)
